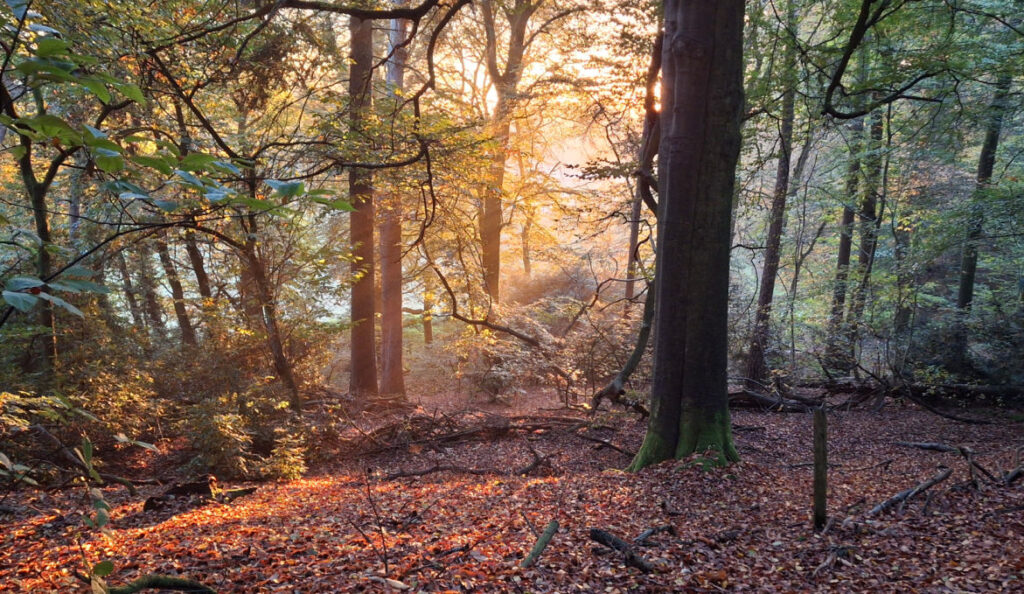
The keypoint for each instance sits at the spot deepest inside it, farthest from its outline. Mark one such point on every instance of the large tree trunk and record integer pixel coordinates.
(188, 333)
(363, 379)
(756, 365)
(702, 99)
(392, 376)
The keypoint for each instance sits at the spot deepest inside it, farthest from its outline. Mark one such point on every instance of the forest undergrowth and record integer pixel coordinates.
(352, 525)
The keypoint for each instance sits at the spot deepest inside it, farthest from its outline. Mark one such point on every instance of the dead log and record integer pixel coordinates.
(162, 582)
(541, 544)
(968, 454)
(633, 558)
(538, 460)
(752, 398)
(904, 496)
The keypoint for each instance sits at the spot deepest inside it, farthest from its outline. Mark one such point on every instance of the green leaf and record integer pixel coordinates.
(103, 569)
(20, 283)
(61, 303)
(338, 204)
(157, 163)
(227, 166)
(94, 132)
(166, 205)
(78, 272)
(20, 301)
(217, 194)
(109, 163)
(19, 8)
(18, 152)
(83, 286)
(47, 47)
(286, 189)
(196, 161)
(6, 462)
(132, 92)
(189, 178)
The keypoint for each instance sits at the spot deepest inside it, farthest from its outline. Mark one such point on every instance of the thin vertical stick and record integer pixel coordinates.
(820, 468)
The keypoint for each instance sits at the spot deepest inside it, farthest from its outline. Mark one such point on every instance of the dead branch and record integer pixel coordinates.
(605, 443)
(633, 558)
(905, 496)
(541, 544)
(538, 460)
(778, 404)
(641, 540)
(80, 465)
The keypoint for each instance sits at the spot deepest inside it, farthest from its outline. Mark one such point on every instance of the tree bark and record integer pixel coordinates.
(147, 286)
(837, 351)
(757, 368)
(392, 376)
(869, 216)
(129, 290)
(188, 333)
(986, 163)
(505, 83)
(702, 101)
(363, 379)
(195, 258)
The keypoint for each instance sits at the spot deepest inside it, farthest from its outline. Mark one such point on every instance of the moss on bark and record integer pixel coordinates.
(700, 432)
(654, 449)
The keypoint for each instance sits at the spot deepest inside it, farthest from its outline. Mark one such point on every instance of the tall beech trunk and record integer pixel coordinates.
(392, 377)
(757, 368)
(188, 333)
(702, 99)
(428, 307)
(837, 353)
(363, 379)
(986, 164)
(976, 221)
(872, 201)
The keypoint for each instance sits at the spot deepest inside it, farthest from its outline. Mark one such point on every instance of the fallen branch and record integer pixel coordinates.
(605, 443)
(641, 540)
(541, 544)
(633, 558)
(538, 460)
(778, 404)
(904, 496)
(162, 582)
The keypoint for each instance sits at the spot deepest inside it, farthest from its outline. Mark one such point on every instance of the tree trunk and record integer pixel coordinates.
(837, 352)
(986, 163)
(505, 81)
(195, 258)
(147, 287)
(363, 379)
(188, 333)
(756, 365)
(428, 306)
(129, 290)
(392, 376)
(869, 218)
(702, 100)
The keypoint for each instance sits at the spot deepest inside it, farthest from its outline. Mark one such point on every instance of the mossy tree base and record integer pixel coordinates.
(698, 434)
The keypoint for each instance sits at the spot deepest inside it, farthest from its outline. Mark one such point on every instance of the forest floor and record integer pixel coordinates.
(348, 527)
